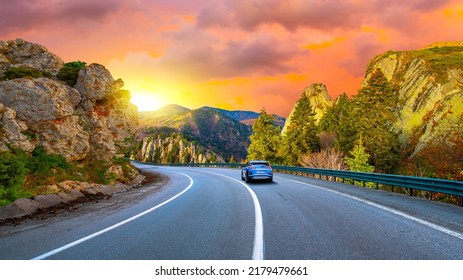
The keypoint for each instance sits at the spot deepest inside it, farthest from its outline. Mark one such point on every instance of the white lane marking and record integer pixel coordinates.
(258, 249)
(393, 211)
(79, 241)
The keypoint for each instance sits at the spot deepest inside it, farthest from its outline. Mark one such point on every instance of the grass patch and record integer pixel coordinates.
(24, 72)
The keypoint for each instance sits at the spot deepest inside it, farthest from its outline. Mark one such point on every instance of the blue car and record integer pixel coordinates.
(257, 170)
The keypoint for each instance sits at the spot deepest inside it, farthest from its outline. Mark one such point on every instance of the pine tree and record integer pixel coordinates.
(265, 139)
(339, 119)
(359, 158)
(301, 135)
(232, 159)
(374, 117)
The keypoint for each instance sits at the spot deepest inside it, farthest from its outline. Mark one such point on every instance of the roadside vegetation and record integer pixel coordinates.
(357, 134)
(27, 174)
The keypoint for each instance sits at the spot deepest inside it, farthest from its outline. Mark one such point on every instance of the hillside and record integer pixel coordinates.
(207, 128)
(249, 117)
(429, 86)
(408, 112)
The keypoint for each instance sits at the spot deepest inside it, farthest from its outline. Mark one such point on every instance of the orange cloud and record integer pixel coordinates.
(324, 45)
(237, 54)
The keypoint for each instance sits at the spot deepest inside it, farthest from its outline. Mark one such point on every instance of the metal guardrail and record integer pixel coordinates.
(411, 183)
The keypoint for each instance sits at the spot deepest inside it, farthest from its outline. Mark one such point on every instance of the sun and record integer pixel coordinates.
(146, 101)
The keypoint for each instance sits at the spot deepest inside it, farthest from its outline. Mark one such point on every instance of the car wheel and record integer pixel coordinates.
(270, 180)
(247, 179)
(242, 178)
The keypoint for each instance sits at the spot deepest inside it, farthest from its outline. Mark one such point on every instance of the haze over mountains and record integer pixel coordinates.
(178, 134)
(167, 114)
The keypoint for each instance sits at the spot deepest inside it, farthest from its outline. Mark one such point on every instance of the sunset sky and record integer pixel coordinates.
(232, 54)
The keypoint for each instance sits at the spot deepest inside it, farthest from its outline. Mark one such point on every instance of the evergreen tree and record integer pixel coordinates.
(373, 117)
(301, 135)
(359, 158)
(265, 139)
(339, 119)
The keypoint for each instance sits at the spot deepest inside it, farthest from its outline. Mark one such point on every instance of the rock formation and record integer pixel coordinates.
(90, 119)
(429, 83)
(319, 99)
(174, 148)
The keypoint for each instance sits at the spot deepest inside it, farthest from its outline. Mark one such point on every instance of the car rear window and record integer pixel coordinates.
(260, 164)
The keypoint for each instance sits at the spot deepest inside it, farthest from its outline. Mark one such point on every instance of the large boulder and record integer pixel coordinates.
(37, 100)
(96, 83)
(20, 53)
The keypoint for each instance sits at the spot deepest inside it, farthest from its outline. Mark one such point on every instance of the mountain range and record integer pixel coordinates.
(199, 135)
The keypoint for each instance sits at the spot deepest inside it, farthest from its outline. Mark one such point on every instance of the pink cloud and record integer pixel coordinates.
(197, 41)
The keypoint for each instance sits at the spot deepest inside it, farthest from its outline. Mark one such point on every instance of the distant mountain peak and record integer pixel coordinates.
(171, 109)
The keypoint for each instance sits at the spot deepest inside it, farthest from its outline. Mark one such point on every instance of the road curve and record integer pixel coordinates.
(208, 213)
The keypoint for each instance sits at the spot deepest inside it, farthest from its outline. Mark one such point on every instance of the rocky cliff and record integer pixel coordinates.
(88, 120)
(173, 147)
(320, 101)
(429, 83)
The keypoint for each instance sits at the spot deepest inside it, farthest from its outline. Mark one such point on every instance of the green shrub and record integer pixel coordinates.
(12, 173)
(25, 72)
(70, 72)
(43, 163)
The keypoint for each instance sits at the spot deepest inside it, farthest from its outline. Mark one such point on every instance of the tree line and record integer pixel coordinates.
(354, 133)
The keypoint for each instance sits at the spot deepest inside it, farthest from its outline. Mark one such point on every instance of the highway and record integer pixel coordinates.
(210, 214)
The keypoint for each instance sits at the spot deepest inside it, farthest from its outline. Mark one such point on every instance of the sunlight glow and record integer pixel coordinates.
(146, 101)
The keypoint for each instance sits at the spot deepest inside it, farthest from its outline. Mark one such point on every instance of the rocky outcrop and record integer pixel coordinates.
(320, 101)
(174, 149)
(429, 83)
(11, 130)
(90, 119)
(20, 53)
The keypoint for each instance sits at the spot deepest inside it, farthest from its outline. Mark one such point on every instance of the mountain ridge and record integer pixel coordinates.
(218, 135)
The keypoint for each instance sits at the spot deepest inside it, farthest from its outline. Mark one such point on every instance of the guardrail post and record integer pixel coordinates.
(411, 192)
(461, 201)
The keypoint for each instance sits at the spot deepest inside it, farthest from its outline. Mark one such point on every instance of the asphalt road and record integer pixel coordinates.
(209, 213)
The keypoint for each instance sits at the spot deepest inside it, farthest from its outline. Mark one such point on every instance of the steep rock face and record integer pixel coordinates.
(174, 148)
(38, 100)
(429, 83)
(89, 120)
(107, 117)
(11, 130)
(320, 100)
